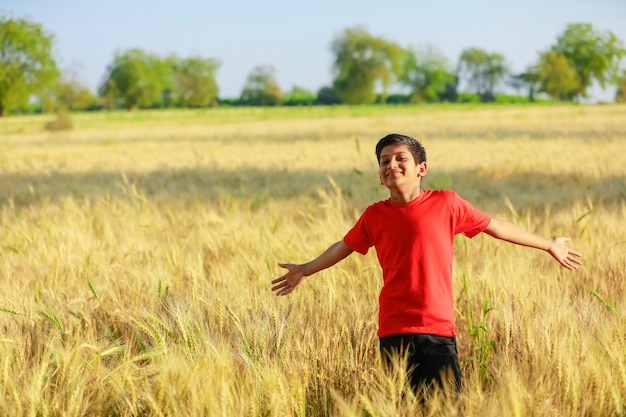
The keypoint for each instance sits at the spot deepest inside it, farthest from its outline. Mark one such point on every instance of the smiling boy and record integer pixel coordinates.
(413, 233)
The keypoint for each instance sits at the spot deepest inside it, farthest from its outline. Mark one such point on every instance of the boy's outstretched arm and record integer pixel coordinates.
(296, 273)
(556, 247)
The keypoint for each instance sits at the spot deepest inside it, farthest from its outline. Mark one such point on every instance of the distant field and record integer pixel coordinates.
(136, 252)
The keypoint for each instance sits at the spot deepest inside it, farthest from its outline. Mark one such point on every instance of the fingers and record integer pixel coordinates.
(283, 288)
(280, 279)
(574, 257)
(284, 277)
(281, 284)
(285, 291)
(277, 280)
(572, 260)
(577, 255)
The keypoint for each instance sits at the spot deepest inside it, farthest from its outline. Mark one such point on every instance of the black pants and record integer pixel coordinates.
(432, 360)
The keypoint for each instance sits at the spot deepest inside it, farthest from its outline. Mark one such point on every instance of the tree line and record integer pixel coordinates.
(366, 69)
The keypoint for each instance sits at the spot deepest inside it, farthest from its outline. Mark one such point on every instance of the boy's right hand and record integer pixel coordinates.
(288, 282)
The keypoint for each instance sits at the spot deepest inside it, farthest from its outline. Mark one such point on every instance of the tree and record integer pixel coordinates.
(427, 73)
(261, 88)
(194, 81)
(327, 96)
(620, 93)
(483, 71)
(525, 80)
(592, 54)
(137, 79)
(73, 95)
(67, 93)
(450, 92)
(362, 62)
(26, 62)
(556, 77)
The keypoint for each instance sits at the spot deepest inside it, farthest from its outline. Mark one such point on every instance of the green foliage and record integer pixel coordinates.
(427, 73)
(53, 319)
(398, 99)
(327, 96)
(67, 93)
(73, 95)
(29, 108)
(362, 62)
(620, 93)
(26, 62)
(299, 97)
(592, 54)
(449, 93)
(527, 80)
(137, 79)
(261, 88)
(609, 306)
(468, 98)
(556, 77)
(229, 101)
(483, 71)
(512, 99)
(194, 81)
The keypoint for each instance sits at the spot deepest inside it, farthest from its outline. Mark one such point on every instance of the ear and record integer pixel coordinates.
(422, 169)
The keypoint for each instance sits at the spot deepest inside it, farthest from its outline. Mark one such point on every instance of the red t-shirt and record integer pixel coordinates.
(415, 247)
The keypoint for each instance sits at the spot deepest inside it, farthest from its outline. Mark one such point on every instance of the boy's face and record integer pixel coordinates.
(398, 169)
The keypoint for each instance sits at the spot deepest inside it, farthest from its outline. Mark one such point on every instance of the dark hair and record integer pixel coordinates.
(416, 148)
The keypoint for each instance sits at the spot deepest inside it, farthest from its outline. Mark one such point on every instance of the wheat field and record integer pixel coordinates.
(137, 250)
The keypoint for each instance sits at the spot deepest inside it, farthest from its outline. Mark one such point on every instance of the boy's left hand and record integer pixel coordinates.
(567, 257)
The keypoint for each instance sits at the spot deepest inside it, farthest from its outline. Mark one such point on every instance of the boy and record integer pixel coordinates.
(413, 234)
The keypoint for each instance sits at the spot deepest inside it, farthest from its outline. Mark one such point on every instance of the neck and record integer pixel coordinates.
(404, 197)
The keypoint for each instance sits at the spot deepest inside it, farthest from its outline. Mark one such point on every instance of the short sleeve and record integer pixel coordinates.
(469, 220)
(358, 238)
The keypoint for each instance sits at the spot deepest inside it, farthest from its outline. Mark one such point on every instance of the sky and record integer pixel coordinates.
(295, 37)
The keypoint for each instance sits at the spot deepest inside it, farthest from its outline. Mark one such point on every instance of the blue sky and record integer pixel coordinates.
(295, 37)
